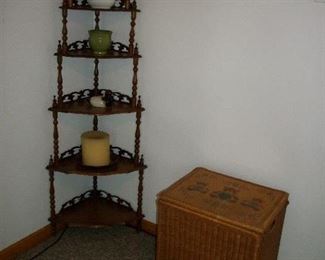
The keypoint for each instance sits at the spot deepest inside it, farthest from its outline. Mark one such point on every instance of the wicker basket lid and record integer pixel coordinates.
(227, 199)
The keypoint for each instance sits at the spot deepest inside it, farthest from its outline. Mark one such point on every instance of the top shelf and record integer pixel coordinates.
(82, 49)
(88, 8)
(83, 5)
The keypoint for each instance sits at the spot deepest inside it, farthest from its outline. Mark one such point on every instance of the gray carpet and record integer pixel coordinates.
(113, 243)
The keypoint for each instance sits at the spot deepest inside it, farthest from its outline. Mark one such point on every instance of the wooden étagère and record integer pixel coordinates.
(96, 207)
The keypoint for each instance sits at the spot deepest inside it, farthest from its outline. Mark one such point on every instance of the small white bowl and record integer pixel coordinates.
(97, 101)
(104, 4)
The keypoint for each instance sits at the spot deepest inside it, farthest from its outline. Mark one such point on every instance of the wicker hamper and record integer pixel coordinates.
(211, 216)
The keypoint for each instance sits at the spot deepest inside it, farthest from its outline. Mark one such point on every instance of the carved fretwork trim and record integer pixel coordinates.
(122, 153)
(87, 93)
(71, 152)
(80, 3)
(96, 194)
(118, 4)
(84, 45)
(114, 149)
(79, 45)
(77, 95)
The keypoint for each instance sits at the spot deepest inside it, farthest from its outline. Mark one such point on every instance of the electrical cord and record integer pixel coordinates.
(51, 245)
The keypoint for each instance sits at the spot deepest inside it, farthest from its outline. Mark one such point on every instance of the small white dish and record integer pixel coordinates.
(97, 101)
(103, 4)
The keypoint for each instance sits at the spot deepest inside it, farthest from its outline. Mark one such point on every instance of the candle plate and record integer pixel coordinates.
(111, 167)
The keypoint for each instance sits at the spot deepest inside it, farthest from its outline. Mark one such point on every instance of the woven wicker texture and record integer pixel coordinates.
(211, 216)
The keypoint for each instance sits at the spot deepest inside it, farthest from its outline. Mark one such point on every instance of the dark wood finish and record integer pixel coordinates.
(70, 3)
(97, 19)
(137, 132)
(140, 196)
(132, 30)
(95, 128)
(70, 162)
(95, 183)
(78, 103)
(127, 4)
(59, 67)
(83, 5)
(55, 131)
(96, 77)
(84, 107)
(97, 208)
(64, 26)
(87, 93)
(81, 49)
(116, 9)
(135, 76)
(52, 196)
(95, 123)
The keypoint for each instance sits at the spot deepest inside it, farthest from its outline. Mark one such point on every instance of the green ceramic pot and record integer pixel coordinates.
(100, 41)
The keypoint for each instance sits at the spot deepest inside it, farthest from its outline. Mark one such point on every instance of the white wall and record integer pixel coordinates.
(1, 108)
(236, 86)
(28, 80)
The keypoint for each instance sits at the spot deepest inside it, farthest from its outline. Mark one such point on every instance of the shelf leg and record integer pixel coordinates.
(97, 19)
(95, 179)
(60, 77)
(96, 77)
(52, 197)
(95, 184)
(132, 31)
(140, 196)
(95, 123)
(137, 132)
(64, 27)
(135, 76)
(55, 133)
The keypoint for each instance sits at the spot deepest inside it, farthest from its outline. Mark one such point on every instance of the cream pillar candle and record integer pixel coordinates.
(95, 148)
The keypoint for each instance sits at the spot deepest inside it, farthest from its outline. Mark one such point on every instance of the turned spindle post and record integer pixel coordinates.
(135, 75)
(127, 4)
(55, 131)
(95, 178)
(132, 30)
(137, 131)
(97, 19)
(96, 77)
(52, 197)
(64, 27)
(140, 195)
(59, 68)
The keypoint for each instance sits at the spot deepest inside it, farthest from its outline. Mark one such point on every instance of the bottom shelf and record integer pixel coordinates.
(96, 208)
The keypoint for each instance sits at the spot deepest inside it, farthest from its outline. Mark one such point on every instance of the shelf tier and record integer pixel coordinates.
(81, 49)
(70, 162)
(83, 107)
(96, 208)
(87, 53)
(78, 103)
(89, 8)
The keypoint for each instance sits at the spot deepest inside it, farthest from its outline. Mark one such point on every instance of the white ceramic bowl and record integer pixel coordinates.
(105, 4)
(97, 101)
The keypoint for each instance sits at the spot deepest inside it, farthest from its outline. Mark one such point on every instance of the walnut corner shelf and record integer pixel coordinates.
(81, 49)
(70, 163)
(96, 207)
(78, 102)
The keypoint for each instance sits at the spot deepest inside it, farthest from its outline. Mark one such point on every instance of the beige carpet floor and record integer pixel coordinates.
(113, 243)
